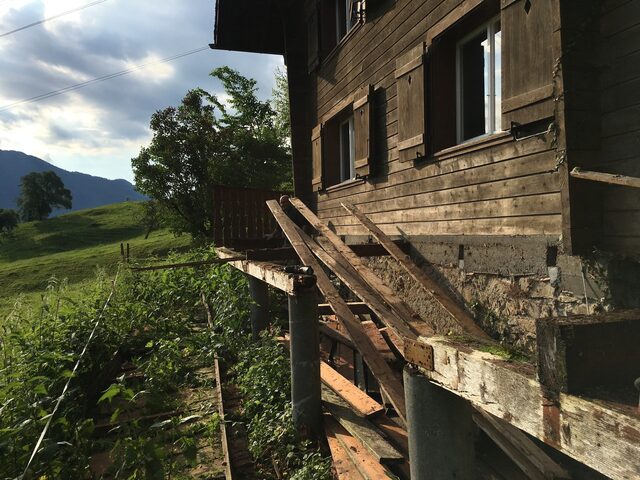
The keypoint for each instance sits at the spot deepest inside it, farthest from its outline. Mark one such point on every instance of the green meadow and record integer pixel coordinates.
(73, 247)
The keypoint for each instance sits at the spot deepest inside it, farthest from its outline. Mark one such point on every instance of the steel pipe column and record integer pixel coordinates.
(259, 308)
(305, 362)
(441, 431)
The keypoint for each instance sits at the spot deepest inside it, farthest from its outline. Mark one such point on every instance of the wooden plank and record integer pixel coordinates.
(583, 352)
(375, 282)
(362, 403)
(267, 272)
(609, 178)
(350, 277)
(366, 464)
(223, 427)
(376, 363)
(393, 431)
(334, 334)
(376, 337)
(536, 464)
(464, 319)
(357, 308)
(603, 435)
(360, 428)
(342, 461)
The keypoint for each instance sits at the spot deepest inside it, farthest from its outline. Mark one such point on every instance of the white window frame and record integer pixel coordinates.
(490, 125)
(352, 149)
(345, 4)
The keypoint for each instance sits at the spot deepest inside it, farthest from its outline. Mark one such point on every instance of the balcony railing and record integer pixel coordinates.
(240, 216)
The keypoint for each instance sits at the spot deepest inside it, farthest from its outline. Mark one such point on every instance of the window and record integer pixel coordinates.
(478, 72)
(342, 144)
(347, 150)
(346, 17)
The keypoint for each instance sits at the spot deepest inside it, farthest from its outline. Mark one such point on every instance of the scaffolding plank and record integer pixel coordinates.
(379, 368)
(457, 311)
(390, 297)
(362, 403)
(342, 461)
(360, 428)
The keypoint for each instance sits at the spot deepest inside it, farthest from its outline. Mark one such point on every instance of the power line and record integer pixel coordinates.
(77, 86)
(44, 20)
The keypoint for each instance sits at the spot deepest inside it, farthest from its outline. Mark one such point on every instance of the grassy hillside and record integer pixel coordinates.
(73, 245)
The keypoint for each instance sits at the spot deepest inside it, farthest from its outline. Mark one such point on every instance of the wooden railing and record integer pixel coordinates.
(240, 215)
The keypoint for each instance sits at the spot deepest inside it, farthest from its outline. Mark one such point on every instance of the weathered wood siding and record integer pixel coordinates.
(493, 187)
(620, 106)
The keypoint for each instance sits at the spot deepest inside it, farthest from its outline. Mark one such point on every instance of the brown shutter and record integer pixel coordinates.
(527, 61)
(410, 80)
(313, 37)
(316, 159)
(363, 129)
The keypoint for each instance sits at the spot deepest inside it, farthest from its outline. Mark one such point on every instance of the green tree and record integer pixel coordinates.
(41, 192)
(204, 142)
(8, 221)
(280, 103)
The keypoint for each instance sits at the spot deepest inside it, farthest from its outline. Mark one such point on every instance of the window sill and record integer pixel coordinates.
(474, 144)
(344, 185)
(334, 51)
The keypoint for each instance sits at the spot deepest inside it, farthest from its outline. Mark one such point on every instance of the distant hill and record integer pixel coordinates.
(88, 191)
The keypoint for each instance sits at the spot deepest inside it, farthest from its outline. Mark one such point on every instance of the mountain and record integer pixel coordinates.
(88, 191)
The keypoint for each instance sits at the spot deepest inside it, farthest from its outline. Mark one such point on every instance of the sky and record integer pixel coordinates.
(99, 128)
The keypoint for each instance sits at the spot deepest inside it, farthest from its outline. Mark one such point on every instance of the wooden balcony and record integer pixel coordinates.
(241, 218)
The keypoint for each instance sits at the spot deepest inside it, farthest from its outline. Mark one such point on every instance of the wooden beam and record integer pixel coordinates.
(379, 368)
(267, 272)
(357, 308)
(375, 249)
(583, 352)
(457, 311)
(378, 340)
(610, 178)
(603, 435)
(390, 297)
(336, 335)
(362, 403)
(530, 458)
(271, 254)
(201, 263)
(366, 463)
(342, 461)
(352, 279)
(360, 428)
(223, 427)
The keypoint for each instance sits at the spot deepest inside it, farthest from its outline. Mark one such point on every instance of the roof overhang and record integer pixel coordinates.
(248, 26)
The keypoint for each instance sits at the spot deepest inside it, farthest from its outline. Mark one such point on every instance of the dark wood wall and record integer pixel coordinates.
(620, 121)
(495, 186)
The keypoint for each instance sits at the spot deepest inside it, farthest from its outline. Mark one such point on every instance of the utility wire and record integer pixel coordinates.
(44, 20)
(77, 86)
(75, 369)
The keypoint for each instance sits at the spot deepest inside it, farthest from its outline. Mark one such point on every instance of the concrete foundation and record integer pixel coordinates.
(442, 434)
(305, 363)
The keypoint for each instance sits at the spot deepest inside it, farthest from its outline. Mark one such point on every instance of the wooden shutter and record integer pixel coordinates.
(313, 37)
(410, 81)
(316, 159)
(363, 131)
(527, 61)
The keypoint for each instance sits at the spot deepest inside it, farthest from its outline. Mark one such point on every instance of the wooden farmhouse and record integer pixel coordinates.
(470, 167)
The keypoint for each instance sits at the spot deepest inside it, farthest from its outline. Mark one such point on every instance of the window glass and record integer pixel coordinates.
(346, 17)
(479, 82)
(347, 150)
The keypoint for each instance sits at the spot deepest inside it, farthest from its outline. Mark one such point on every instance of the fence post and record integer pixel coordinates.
(305, 362)
(441, 430)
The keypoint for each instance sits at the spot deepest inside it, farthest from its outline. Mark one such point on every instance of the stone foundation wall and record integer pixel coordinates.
(510, 283)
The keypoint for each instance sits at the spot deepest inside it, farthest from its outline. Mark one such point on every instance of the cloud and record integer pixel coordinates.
(100, 127)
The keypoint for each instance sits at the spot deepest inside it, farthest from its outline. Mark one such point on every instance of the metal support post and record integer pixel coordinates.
(305, 362)
(259, 308)
(441, 430)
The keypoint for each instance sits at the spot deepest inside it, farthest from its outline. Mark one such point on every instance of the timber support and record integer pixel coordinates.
(305, 362)
(259, 292)
(441, 430)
